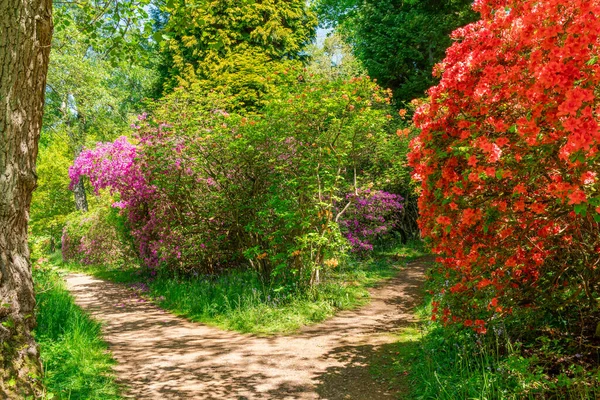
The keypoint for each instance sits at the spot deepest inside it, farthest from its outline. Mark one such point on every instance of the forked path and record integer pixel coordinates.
(161, 356)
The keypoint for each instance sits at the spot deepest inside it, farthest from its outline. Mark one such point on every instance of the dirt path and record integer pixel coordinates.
(161, 356)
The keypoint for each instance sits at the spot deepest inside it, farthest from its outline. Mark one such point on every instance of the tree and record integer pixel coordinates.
(52, 200)
(509, 160)
(93, 82)
(232, 45)
(333, 59)
(25, 36)
(398, 41)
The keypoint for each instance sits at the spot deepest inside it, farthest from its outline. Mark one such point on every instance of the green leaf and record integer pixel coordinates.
(8, 324)
(581, 209)
(594, 201)
(592, 61)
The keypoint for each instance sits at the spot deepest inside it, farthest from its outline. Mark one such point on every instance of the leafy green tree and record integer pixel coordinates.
(52, 200)
(231, 45)
(92, 89)
(398, 41)
(113, 31)
(333, 59)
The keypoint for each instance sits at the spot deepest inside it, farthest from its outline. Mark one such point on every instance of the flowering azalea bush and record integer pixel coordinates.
(205, 189)
(508, 159)
(112, 166)
(370, 215)
(117, 168)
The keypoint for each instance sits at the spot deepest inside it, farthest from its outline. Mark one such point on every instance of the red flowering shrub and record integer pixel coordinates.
(508, 158)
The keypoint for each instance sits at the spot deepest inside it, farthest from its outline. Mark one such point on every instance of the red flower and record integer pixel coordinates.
(517, 92)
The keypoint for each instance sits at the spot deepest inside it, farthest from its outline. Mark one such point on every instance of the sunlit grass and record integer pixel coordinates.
(76, 362)
(392, 363)
(447, 363)
(241, 301)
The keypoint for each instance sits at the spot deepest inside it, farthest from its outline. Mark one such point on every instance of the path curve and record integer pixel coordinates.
(161, 356)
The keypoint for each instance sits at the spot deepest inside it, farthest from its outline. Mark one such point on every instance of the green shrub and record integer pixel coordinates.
(206, 190)
(99, 236)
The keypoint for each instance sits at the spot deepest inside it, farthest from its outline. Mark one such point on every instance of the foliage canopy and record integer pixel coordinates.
(232, 45)
(397, 41)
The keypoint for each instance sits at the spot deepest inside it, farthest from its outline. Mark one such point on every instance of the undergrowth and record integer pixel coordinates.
(460, 364)
(241, 301)
(450, 363)
(76, 362)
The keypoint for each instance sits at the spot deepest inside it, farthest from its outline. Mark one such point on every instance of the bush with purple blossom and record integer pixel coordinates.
(369, 215)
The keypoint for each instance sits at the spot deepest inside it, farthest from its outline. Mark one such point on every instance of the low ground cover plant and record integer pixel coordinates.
(75, 359)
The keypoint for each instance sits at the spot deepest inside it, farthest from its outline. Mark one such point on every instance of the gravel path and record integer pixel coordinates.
(161, 356)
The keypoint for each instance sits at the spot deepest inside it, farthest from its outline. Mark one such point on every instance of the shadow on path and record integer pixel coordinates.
(161, 356)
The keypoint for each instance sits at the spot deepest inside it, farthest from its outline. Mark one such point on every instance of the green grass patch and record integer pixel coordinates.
(460, 364)
(241, 301)
(76, 361)
(392, 362)
(448, 363)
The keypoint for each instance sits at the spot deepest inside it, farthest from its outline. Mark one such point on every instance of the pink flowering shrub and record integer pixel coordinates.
(112, 166)
(370, 216)
(210, 190)
(116, 167)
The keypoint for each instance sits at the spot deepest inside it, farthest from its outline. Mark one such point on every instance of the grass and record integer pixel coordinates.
(446, 363)
(76, 362)
(459, 364)
(240, 301)
(392, 362)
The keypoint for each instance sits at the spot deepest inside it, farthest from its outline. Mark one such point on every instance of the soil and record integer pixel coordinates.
(161, 356)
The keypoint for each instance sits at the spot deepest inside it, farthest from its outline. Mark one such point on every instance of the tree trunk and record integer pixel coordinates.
(25, 33)
(81, 203)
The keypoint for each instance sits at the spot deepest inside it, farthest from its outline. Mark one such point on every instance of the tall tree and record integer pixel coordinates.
(231, 45)
(89, 95)
(398, 41)
(333, 59)
(86, 91)
(25, 35)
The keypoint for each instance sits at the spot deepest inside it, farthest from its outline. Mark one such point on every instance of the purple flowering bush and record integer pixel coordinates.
(370, 215)
(113, 166)
(211, 190)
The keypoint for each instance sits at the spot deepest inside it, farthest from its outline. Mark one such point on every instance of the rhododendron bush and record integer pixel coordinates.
(205, 189)
(508, 157)
(370, 215)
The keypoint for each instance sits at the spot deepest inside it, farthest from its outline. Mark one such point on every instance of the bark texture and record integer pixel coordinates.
(25, 34)
(79, 195)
